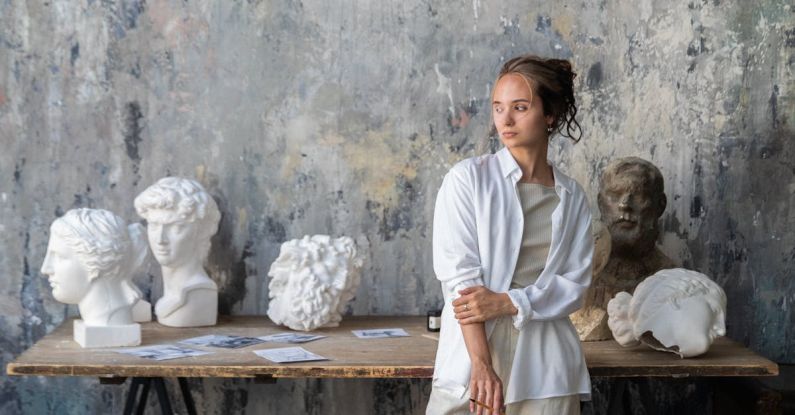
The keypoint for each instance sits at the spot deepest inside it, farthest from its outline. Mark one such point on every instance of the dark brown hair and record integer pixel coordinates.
(553, 81)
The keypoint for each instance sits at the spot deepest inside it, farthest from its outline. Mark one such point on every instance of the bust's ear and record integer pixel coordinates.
(663, 203)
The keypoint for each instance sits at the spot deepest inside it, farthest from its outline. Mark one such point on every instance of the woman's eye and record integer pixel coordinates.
(520, 108)
(497, 110)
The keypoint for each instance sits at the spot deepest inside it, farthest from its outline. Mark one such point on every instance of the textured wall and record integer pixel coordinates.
(341, 117)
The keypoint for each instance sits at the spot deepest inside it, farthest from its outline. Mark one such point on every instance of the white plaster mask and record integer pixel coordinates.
(90, 258)
(313, 279)
(674, 310)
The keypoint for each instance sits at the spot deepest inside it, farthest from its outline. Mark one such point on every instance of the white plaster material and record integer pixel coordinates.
(142, 311)
(90, 259)
(106, 336)
(674, 310)
(312, 281)
(181, 218)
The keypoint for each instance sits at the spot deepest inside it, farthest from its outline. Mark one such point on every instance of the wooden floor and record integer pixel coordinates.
(408, 357)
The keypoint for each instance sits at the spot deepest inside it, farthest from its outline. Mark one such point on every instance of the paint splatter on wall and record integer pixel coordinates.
(342, 116)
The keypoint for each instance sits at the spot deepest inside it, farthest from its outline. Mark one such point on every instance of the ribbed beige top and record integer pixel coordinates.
(538, 203)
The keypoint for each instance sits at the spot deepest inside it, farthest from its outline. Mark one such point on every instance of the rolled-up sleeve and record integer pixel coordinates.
(559, 295)
(456, 259)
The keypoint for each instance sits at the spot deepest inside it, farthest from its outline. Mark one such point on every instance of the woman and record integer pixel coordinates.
(512, 242)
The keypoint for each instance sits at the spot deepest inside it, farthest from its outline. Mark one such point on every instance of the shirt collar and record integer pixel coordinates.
(509, 167)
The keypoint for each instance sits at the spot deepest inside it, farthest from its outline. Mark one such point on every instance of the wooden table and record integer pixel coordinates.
(406, 357)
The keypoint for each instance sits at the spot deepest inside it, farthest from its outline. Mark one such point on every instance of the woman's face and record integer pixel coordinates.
(68, 276)
(518, 115)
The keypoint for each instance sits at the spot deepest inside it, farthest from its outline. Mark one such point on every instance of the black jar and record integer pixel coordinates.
(434, 320)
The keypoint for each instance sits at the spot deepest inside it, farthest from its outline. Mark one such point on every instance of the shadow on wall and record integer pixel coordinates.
(226, 266)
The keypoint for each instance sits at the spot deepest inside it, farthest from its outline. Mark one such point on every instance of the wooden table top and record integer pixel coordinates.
(406, 357)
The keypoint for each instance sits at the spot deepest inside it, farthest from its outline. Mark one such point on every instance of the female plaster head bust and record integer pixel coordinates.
(674, 310)
(181, 218)
(312, 281)
(90, 258)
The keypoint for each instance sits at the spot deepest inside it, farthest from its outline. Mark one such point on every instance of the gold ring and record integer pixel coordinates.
(466, 307)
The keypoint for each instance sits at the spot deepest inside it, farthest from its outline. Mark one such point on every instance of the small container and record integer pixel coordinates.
(434, 320)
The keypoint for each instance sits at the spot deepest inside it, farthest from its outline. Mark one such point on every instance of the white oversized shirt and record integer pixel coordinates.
(477, 233)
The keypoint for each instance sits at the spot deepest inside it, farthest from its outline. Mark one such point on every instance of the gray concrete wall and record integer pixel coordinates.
(341, 117)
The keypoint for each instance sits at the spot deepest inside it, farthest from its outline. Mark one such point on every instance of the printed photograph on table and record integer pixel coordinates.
(290, 338)
(289, 355)
(379, 333)
(226, 342)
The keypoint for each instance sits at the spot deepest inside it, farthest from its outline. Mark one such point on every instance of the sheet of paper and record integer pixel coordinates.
(227, 342)
(379, 333)
(290, 338)
(289, 355)
(162, 352)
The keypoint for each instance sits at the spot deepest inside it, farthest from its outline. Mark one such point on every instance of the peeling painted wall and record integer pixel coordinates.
(341, 117)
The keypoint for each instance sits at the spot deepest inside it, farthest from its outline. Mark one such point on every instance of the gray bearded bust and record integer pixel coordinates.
(631, 200)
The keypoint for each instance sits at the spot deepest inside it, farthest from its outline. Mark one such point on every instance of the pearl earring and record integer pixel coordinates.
(550, 129)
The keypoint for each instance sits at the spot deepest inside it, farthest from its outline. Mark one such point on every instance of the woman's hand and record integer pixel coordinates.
(485, 387)
(478, 304)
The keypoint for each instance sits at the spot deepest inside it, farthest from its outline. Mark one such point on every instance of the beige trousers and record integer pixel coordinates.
(502, 345)
(443, 402)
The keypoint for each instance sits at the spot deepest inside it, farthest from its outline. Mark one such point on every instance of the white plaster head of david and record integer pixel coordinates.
(90, 259)
(313, 279)
(181, 218)
(674, 310)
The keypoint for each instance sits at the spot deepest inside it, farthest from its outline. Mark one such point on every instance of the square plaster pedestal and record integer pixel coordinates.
(107, 336)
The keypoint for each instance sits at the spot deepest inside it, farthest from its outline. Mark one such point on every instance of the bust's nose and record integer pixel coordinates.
(162, 237)
(624, 203)
(46, 267)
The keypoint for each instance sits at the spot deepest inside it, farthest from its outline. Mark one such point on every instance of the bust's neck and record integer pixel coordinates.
(103, 304)
(176, 278)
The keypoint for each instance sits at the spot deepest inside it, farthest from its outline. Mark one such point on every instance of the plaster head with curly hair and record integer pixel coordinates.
(675, 310)
(181, 218)
(312, 281)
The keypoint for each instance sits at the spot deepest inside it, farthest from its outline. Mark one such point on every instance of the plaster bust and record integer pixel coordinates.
(631, 200)
(312, 281)
(674, 310)
(89, 262)
(181, 218)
